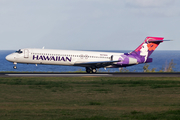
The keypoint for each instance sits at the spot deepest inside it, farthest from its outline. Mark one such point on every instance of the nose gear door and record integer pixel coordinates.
(26, 53)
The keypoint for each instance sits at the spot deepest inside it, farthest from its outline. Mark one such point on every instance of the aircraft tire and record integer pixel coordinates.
(88, 70)
(94, 70)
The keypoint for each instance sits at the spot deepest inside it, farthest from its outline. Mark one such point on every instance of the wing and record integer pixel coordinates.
(96, 64)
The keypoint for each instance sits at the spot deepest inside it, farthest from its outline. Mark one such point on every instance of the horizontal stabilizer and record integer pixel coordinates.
(154, 41)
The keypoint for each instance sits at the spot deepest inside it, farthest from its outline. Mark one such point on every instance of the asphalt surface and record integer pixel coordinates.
(131, 74)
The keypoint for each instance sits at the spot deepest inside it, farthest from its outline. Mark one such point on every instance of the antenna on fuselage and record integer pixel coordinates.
(43, 47)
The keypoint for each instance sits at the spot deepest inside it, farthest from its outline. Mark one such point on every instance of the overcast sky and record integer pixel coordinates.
(88, 24)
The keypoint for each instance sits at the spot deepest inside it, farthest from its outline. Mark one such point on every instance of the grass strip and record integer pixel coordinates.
(89, 98)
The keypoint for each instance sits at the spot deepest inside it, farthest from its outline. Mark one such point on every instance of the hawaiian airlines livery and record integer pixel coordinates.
(88, 59)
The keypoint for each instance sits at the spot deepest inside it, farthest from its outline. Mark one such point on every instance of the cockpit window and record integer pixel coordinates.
(19, 51)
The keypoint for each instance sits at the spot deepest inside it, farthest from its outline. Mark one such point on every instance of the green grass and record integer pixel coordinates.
(89, 98)
(65, 82)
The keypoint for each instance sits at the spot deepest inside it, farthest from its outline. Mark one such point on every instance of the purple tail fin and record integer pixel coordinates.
(147, 48)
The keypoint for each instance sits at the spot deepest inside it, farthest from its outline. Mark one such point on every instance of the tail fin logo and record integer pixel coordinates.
(152, 46)
(147, 47)
(144, 50)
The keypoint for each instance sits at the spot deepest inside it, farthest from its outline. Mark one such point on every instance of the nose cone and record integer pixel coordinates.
(10, 58)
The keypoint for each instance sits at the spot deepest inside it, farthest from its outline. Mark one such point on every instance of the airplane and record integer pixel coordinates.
(89, 59)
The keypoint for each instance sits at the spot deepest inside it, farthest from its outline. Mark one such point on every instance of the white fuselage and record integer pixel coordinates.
(59, 57)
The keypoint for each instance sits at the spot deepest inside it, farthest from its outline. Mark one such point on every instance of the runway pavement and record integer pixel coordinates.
(129, 74)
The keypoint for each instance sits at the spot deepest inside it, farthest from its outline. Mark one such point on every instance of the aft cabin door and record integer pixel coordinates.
(26, 53)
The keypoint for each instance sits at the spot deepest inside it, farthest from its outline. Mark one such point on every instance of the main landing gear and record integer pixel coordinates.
(91, 70)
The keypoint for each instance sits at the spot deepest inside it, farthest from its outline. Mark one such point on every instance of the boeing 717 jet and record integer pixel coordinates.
(88, 59)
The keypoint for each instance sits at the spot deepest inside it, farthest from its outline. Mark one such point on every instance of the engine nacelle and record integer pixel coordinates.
(132, 60)
(123, 59)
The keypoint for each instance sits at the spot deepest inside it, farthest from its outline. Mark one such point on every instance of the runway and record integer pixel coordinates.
(131, 74)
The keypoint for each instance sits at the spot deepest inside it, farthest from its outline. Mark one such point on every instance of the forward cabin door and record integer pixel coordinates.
(26, 53)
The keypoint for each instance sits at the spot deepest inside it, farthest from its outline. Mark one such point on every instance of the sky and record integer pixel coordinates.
(88, 24)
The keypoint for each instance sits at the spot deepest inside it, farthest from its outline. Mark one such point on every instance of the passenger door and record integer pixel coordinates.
(26, 53)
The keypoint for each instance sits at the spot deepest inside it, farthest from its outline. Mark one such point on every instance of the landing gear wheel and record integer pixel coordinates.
(91, 70)
(88, 70)
(14, 67)
(94, 70)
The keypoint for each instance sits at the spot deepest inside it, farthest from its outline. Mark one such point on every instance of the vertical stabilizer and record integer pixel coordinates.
(147, 48)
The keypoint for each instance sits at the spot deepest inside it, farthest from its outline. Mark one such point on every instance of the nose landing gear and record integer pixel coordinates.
(15, 67)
